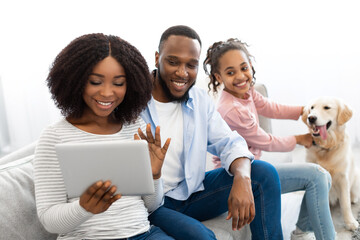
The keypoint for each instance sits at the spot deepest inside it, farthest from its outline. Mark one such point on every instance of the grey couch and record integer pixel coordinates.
(18, 218)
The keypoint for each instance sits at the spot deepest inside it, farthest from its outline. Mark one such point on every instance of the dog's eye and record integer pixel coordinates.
(312, 107)
(326, 108)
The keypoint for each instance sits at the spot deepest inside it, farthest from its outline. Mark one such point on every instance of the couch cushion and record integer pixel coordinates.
(222, 228)
(18, 217)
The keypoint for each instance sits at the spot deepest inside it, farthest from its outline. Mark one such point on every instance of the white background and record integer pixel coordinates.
(303, 49)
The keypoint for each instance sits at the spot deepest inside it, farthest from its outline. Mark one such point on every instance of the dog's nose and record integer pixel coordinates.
(312, 119)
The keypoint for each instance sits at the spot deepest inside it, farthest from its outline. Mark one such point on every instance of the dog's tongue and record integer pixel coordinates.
(323, 132)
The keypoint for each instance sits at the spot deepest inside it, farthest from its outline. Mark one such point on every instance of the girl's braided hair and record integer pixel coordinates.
(217, 50)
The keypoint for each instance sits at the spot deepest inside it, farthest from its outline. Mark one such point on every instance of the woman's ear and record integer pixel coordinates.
(156, 59)
(344, 113)
(218, 78)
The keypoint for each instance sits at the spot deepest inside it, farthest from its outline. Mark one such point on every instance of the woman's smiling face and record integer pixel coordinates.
(105, 89)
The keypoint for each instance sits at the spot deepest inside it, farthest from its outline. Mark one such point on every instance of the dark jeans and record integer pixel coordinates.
(154, 233)
(212, 202)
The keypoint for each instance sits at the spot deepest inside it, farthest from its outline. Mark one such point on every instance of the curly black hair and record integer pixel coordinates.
(217, 50)
(71, 68)
(179, 30)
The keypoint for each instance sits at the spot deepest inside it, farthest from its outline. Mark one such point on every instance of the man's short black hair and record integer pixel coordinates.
(179, 30)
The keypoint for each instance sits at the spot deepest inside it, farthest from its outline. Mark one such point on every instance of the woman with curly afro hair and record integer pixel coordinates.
(100, 83)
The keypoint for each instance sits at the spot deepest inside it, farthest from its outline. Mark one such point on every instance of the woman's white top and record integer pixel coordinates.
(126, 217)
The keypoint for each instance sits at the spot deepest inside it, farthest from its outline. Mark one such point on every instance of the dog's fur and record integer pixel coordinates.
(326, 118)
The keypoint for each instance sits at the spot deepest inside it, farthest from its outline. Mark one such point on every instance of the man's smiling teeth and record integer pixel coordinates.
(104, 103)
(180, 84)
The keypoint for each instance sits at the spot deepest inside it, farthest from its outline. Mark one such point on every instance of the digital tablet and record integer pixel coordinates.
(125, 163)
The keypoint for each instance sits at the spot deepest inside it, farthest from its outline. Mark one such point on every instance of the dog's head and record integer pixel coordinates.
(324, 115)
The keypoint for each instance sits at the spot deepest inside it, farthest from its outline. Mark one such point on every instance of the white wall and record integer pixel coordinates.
(303, 49)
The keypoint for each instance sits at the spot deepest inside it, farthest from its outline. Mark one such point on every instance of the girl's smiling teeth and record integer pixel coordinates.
(241, 84)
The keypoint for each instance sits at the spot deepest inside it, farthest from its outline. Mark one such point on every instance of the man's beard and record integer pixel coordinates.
(167, 92)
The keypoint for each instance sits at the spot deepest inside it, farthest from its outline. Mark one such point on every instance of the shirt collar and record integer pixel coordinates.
(190, 101)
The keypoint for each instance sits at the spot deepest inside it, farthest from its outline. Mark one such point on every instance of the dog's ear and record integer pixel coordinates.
(305, 114)
(344, 113)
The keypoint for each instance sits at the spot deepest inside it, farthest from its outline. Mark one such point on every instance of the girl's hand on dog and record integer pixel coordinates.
(306, 140)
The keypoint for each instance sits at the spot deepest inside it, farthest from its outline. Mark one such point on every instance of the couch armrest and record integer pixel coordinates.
(19, 218)
(25, 151)
(264, 122)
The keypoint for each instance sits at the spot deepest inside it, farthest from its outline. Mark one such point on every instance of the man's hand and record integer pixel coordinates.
(157, 153)
(241, 200)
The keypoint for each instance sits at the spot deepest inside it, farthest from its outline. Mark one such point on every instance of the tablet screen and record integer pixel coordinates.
(125, 163)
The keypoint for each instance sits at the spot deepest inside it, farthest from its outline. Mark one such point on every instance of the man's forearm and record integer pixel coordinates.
(241, 167)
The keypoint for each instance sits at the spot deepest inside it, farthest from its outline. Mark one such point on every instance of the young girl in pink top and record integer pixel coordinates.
(239, 104)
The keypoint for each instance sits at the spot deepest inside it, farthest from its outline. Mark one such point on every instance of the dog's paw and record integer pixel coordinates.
(352, 225)
(333, 199)
(354, 200)
(354, 196)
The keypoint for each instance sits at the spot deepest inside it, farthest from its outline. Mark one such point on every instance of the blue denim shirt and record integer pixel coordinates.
(204, 130)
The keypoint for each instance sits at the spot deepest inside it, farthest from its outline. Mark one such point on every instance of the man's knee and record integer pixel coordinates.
(186, 227)
(262, 171)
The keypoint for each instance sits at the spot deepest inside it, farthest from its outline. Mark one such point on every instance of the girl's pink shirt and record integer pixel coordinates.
(242, 116)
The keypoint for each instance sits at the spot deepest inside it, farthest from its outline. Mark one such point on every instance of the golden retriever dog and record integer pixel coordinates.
(326, 118)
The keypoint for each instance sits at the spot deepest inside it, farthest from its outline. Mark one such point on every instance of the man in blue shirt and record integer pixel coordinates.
(248, 189)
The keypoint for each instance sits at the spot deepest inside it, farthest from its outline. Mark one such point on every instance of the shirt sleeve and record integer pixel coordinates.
(245, 123)
(155, 200)
(55, 212)
(271, 109)
(222, 141)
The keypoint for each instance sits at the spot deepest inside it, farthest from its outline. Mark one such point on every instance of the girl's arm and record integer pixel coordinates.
(271, 109)
(245, 123)
(54, 211)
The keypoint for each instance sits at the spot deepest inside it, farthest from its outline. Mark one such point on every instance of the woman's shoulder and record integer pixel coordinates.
(50, 134)
(62, 123)
(134, 126)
